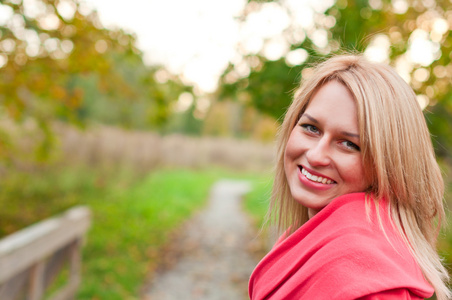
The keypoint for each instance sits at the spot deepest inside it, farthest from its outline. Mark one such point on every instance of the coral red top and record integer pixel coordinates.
(340, 253)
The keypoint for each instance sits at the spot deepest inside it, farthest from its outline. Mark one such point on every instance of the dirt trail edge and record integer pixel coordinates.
(215, 262)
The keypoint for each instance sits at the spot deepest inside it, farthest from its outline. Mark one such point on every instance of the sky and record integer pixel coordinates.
(194, 38)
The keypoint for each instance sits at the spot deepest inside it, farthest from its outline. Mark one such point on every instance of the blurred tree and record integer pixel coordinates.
(269, 88)
(57, 61)
(414, 36)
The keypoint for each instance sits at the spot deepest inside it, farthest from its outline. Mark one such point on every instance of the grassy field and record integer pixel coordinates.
(133, 215)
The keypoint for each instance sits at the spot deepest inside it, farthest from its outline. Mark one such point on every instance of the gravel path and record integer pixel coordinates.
(214, 260)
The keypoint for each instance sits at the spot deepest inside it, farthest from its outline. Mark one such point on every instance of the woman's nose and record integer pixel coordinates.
(319, 153)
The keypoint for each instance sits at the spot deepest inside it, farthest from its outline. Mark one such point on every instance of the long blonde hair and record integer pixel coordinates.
(398, 157)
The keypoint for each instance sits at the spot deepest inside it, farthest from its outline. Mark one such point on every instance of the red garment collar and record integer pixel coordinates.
(340, 253)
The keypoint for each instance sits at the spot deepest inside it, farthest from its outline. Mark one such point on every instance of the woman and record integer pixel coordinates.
(357, 189)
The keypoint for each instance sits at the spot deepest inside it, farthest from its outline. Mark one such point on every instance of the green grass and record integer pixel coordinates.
(130, 227)
(133, 215)
(256, 201)
(31, 195)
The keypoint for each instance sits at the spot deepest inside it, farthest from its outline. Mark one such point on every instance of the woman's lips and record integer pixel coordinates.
(314, 181)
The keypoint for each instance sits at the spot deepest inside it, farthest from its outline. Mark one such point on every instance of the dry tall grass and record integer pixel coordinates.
(103, 145)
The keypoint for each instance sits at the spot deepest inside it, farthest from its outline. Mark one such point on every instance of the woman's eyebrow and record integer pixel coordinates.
(310, 118)
(350, 134)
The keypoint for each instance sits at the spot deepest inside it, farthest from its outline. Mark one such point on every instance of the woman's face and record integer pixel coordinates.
(323, 159)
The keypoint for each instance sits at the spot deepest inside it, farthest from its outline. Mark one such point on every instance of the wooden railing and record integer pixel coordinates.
(32, 258)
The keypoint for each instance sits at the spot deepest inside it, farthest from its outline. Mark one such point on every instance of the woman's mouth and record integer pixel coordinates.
(315, 178)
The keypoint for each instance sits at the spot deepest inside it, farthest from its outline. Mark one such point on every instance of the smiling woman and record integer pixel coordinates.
(357, 192)
(322, 159)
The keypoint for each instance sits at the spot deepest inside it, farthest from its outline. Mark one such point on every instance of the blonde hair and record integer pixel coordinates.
(398, 157)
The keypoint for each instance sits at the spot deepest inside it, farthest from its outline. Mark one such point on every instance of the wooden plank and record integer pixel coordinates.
(27, 247)
(75, 260)
(36, 289)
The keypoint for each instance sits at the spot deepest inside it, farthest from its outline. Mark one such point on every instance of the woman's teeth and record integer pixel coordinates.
(315, 178)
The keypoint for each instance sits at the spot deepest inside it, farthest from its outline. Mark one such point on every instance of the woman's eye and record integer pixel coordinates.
(351, 145)
(310, 128)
